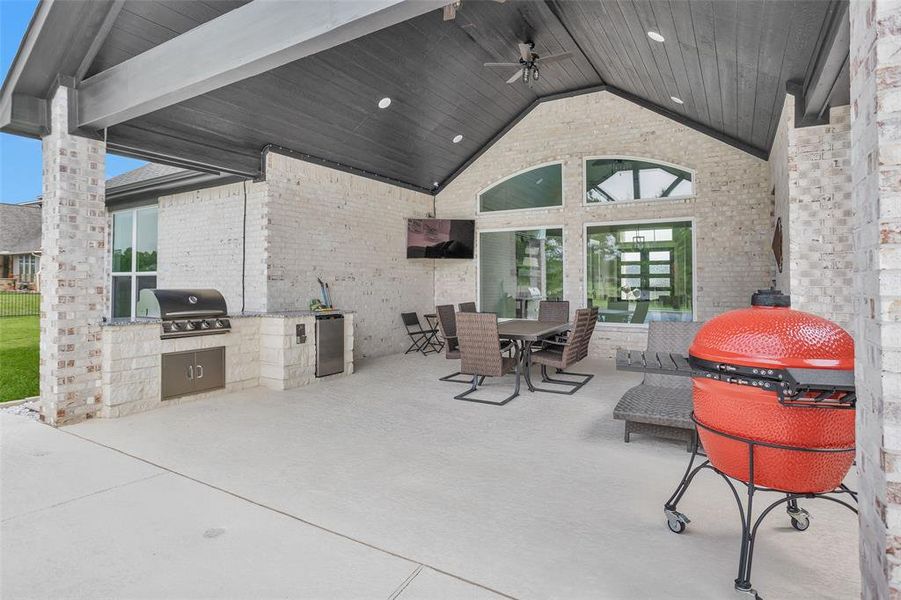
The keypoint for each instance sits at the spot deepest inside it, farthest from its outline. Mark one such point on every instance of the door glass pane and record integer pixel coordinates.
(147, 224)
(122, 231)
(517, 269)
(639, 273)
(541, 187)
(122, 297)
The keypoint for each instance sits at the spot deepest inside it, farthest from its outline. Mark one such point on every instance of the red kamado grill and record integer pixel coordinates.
(774, 409)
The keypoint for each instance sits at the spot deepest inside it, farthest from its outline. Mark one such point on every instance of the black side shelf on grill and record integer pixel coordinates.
(808, 388)
(664, 363)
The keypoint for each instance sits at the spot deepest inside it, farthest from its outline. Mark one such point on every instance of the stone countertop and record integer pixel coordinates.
(245, 315)
(288, 314)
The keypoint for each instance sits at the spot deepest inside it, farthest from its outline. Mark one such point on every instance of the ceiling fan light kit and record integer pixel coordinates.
(527, 68)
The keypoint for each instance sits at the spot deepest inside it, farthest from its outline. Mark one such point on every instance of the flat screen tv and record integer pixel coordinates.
(440, 238)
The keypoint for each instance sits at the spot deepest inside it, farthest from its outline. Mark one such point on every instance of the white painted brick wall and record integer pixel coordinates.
(351, 232)
(200, 242)
(810, 170)
(875, 67)
(732, 207)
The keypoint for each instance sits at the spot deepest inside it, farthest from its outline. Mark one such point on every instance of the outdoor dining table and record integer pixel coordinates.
(525, 333)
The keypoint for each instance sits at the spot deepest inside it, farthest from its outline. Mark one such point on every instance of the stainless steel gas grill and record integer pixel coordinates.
(185, 313)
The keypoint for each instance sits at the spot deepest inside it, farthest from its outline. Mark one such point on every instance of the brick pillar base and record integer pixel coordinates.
(73, 246)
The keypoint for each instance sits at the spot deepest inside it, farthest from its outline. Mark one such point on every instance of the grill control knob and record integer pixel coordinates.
(189, 326)
(218, 324)
(173, 326)
(204, 324)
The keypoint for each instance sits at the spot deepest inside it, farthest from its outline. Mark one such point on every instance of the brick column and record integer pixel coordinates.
(73, 258)
(876, 178)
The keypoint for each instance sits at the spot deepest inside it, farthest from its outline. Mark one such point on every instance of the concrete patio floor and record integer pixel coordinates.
(381, 486)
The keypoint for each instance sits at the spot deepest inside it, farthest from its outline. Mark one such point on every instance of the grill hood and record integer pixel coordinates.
(181, 304)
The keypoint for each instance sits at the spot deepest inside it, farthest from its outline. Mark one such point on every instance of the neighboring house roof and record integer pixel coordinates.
(154, 180)
(144, 173)
(20, 228)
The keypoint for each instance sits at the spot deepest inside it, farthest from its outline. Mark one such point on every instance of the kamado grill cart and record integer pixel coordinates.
(773, 407)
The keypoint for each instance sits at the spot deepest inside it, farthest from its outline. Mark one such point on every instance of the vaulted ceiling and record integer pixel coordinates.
(728, 60)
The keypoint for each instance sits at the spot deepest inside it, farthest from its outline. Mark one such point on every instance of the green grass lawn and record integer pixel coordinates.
(18, 357)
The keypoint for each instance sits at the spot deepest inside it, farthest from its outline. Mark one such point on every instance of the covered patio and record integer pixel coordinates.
(226, 409)
(362, 489)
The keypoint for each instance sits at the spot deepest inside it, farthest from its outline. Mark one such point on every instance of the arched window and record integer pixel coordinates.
(538, 187)
(620, 179)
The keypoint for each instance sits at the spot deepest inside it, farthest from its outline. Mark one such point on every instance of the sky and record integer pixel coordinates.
(20, 157)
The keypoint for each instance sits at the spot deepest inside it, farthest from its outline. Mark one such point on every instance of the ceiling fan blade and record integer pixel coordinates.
(555, 57)
(525, 51)
(504, 65)
(515, 76)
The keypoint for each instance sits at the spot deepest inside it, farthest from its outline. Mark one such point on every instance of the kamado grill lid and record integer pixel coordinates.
(770, 334)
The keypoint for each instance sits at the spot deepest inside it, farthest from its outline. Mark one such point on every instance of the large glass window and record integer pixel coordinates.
(134, 260)
(541, 187)
(25, 267)
(517, 269)
(640, 273)
(622, 179)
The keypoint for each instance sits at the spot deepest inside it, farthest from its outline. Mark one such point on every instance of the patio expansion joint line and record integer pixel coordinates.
(403, 585)
(83, 496)
(419, 563)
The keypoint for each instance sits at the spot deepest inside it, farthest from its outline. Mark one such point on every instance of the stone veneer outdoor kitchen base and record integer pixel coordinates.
(260, 350)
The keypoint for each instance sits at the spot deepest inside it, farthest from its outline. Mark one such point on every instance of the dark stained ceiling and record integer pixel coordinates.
(728, 60)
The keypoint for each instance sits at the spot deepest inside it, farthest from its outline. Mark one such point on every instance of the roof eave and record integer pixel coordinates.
(166, 185)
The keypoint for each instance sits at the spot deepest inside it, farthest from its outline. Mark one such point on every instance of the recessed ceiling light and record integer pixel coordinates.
(458, 138)
(385, 102)
(677, 100)
(655, 36)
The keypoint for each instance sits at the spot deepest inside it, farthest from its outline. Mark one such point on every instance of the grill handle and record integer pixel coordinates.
(190, 371)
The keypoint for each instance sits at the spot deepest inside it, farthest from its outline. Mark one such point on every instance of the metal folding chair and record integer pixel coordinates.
(422, 340)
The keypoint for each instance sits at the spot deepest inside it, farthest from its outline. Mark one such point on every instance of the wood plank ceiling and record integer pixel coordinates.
(728, 60)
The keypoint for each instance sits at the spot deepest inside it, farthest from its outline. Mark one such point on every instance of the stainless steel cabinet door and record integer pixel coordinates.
(178, 374)
(329, 346)
(209, 369)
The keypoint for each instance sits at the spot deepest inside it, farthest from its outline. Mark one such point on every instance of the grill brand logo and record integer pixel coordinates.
(192, 299)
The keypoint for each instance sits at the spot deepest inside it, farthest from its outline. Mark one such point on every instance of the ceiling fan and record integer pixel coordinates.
(527, 67)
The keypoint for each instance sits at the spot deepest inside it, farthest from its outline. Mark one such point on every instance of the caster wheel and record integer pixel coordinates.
(800, 519)
(675, 526)
(676, 521)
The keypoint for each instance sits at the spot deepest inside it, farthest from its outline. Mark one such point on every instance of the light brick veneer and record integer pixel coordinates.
(74, 254)
(304, 221)
(351, 232)
(732, 206)
(810, 172)
(875, 67)
(200, 242)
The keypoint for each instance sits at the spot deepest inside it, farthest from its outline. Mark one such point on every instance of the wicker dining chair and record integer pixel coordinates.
(561, 355)
(467, 307)
(447, 324)
(480, 354)
(553, 311)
